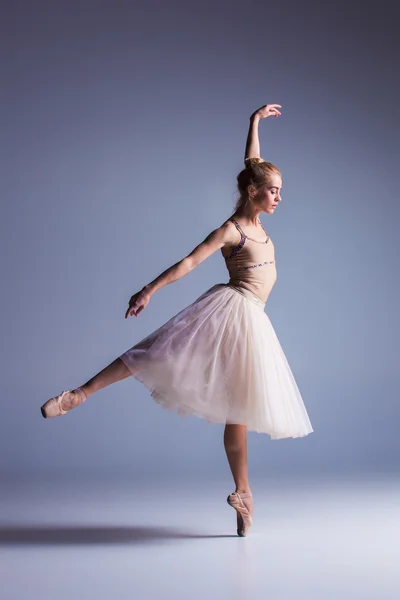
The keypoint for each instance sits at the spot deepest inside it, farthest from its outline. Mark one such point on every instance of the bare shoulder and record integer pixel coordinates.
(224, 235)
(220, 238)
(229, 232)
(231, 237)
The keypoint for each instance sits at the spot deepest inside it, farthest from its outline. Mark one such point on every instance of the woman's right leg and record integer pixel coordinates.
(115, 371)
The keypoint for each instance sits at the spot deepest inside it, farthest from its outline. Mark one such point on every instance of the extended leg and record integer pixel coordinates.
(111, 374)
(115, 371)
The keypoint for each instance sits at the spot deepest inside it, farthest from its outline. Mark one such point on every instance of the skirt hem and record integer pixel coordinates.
(186, 411)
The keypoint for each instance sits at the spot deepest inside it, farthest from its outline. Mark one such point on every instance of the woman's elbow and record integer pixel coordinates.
(189, 263)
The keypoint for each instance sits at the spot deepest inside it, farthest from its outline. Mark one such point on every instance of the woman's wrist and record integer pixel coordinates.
(255, 117)
(149, 289)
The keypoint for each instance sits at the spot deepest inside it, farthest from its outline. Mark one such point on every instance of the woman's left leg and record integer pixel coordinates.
(235, 442)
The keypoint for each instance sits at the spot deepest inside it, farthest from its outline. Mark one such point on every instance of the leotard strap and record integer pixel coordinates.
(244, 236)
(238, 227)
(242, 240)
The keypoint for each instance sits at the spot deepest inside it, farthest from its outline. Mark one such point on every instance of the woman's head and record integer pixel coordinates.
(259, 183)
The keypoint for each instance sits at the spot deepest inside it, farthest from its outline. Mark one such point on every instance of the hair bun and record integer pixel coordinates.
(253, 161)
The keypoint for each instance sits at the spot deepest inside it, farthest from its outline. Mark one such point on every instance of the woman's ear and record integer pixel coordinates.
(251, 190)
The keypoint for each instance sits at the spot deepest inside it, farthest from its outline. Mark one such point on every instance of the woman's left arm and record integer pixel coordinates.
(253, 143)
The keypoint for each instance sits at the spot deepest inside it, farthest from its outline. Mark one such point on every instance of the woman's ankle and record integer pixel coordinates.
(85, 389)
(243, 490)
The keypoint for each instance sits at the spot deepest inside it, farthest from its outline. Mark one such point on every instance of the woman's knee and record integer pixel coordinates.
(235, 438)
(238, 446)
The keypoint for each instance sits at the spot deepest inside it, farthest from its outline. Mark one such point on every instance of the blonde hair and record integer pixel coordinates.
(257, 172)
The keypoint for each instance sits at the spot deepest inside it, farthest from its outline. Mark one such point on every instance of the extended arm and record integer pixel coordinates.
(178, 270)
(213, 242)
(218, 238)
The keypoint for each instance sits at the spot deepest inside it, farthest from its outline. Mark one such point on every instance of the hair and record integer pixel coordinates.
(257, 172)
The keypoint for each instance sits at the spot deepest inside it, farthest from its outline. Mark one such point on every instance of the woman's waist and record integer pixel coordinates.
(248, 291)
(260, 283)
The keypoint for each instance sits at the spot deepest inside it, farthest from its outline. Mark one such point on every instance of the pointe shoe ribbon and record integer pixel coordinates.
(244, 517)
(52, 408)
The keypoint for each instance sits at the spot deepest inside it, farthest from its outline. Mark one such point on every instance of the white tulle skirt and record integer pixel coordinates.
(220, 359)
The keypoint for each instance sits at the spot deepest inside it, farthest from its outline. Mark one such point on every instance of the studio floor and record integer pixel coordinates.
(312, 538)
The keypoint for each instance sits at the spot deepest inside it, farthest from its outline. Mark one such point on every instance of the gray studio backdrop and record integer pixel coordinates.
(123, 130)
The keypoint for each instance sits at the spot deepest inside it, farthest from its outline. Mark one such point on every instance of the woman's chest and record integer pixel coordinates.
(249, 252)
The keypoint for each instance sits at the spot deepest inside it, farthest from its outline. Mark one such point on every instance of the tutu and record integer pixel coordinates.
(220, 359)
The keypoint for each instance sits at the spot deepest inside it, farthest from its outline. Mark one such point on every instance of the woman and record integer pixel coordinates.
(219, 358)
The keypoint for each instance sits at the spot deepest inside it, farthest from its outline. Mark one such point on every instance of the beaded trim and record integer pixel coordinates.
(237, 249)
(246, 236)
(267, 262)
(242, 241)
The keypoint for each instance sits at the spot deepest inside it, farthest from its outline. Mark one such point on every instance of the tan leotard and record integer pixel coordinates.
(251, 264)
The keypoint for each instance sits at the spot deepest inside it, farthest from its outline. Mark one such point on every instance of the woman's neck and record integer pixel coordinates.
(250, 218)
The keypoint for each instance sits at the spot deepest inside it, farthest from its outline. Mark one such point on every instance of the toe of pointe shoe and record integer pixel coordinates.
(52, 408)
(244, 517)
(244, 527)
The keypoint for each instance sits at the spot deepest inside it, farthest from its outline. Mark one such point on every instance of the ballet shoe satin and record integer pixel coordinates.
(244, 518)
(52, 408)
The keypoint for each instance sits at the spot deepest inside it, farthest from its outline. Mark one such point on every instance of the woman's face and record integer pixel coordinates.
(269, 197)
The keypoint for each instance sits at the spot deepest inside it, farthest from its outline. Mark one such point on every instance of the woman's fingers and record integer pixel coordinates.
(271, 106)
(275, 112)
(135, 308)
(130, 311)
(269, 110)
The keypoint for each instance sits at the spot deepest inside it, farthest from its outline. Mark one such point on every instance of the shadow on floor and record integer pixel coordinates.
(93, 534)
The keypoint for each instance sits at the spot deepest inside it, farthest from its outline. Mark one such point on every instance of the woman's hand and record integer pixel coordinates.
(137, 303)
(269, 110)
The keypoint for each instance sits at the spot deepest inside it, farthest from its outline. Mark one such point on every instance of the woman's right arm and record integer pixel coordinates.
(218, 238)
(253, 143)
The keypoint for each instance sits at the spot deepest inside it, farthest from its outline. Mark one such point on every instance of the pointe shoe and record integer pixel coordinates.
(244, 518)
(52, 408)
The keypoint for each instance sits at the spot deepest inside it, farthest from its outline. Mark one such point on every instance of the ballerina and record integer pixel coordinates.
(219, 358)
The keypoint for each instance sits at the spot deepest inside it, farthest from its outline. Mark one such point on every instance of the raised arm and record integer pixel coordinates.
(253, 143)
